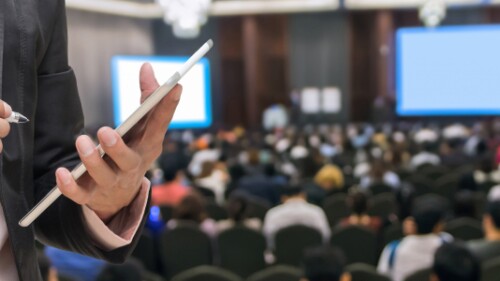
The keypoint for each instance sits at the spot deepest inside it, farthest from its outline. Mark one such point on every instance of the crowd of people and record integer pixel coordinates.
(294, 170)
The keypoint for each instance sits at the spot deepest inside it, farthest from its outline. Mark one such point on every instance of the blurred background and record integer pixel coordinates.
(369, 128)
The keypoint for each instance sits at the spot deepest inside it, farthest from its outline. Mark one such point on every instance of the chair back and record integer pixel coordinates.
(465, 229)
(215, 211)
(359, 244)
(290, 243)
(382, 205)
(336, 208)
(421, 275)
(365, 272)
(277, 273)
(146, 251)
(206, 273)
(184, 247)
(491, 270)
(241, 250)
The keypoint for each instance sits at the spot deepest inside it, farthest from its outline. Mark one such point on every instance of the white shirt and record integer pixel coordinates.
(415, 252)
(117, 233)
(292, 212)
(424, 157)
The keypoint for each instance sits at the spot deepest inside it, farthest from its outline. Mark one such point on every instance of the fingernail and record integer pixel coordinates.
(64, 176)
(86, 147)
(108, 137)
(7, 108)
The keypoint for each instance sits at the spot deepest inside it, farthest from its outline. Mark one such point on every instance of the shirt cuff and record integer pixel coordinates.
(121, 229)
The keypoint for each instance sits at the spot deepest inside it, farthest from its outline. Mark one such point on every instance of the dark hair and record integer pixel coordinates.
(169, 166)
(358, 202)
(291, 190)
(323, 264)
(493, 209)
(131, 270)
(464, 204)
(427, 213)
(44, 264)
(207, 168)
(454, 262)
(237, 209)
(191, 208)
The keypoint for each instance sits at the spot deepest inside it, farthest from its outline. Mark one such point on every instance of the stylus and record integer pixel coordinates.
(137, 115)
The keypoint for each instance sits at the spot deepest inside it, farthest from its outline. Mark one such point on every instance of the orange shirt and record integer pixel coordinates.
(168, 193)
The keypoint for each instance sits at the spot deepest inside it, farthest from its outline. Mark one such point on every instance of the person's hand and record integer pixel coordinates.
(5, 111)
(112, 182)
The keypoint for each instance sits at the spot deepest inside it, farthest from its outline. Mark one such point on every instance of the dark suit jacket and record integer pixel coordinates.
(37, 81)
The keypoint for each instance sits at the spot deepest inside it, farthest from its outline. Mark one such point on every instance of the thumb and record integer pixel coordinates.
(5, 110)
(147, 81)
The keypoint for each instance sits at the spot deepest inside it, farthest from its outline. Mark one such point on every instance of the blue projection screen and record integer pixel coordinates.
(448, 71)
(194, 109)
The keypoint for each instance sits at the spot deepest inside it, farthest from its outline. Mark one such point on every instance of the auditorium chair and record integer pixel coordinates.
(290, 243)
(421, 275)
(146, 251)
(491, 270)
(277, 273)
(335, 208)
(241, 250)
(465, 229)
(382, 205)
(359, 244)
(184, 247)
(206, 273)
(365, 272)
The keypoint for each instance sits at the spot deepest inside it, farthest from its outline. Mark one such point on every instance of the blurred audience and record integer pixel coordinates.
(464, 205)
(489, 247)
(454, 262)
(213, 178)
(173, 189)
(358, 204)
(192, 210)
(294, 210)
(237, 210)
(415, 251)
(73, 265)
(49, 273)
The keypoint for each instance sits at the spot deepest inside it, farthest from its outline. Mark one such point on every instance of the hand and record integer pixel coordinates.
(5, 112)
(112, 182)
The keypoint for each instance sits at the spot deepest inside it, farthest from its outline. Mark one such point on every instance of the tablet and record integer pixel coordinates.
(137, 115)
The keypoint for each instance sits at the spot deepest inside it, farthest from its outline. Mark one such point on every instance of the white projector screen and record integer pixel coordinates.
(450, 71)
(194, 109)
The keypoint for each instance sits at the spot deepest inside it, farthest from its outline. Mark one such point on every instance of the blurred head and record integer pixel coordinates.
(491, 221)
(237, 209)
(170, 167)
(428, 215)
(464, 205)
(357, 202)
(329, 177)
(191, 208)
(293, 191)
(454, 262)
(324, 264)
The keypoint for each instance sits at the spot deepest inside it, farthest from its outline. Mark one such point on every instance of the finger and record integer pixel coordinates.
(125, 158)
(97, 168)
(5, 110)
(162, 114)
(68, 186)
(147, 81)
(4, 128)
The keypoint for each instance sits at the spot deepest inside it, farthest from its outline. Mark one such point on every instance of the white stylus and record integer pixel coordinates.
(137, 115)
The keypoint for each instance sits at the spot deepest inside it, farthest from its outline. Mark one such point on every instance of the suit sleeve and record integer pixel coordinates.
(58, 122)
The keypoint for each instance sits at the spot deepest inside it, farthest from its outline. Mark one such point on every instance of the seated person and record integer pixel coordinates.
(172, 190)
(454, 262)
(294, 210)
(237, 208)
(358, 203)
(414, 252)
(191, 209)
(324, 264)
(489, 247)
